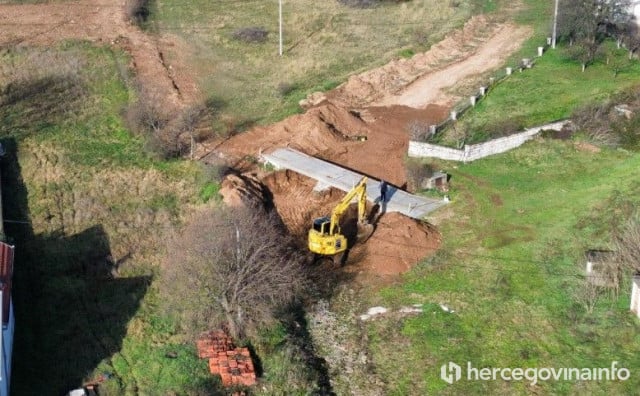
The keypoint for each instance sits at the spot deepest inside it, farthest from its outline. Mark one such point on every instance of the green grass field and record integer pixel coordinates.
(550, 91)
(510, 266)
(87, 188)
(324, 43)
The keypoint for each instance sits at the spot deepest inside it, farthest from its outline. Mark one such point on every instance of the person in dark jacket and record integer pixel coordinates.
(383, 191)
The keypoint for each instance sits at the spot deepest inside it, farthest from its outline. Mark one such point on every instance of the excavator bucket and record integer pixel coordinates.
(365, 230)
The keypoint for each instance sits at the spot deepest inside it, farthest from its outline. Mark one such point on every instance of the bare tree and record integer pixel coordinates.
(232, 268)
(588, 294)
(585, 51)
(588, 22)
(627, 244)
(188, 123)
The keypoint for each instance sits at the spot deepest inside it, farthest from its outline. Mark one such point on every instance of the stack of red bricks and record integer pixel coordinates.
(233, 365)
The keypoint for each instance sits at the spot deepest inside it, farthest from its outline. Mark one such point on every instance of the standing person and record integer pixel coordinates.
(383, 191)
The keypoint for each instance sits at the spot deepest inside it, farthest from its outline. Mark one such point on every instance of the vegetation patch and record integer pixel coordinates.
(251, 34)
(322, 41)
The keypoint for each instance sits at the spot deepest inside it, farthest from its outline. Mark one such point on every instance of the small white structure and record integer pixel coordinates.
(439, 180)
(635, 295)
(635, 10)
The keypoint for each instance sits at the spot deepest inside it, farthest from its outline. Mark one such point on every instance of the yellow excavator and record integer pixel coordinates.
(325, 236)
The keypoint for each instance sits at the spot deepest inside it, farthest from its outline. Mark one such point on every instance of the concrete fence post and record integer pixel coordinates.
(635, 295)
(432, 130)
(483, 91)
(454, 115)
(548, 40)
(540, 51)
(508, 70)
(472, 100)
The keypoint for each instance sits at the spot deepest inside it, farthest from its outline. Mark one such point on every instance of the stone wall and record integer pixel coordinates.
(481, 150)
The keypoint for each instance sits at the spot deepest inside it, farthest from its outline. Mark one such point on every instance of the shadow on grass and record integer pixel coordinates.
(71, 313)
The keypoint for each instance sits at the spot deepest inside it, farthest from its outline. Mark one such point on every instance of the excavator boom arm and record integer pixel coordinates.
(360, 190)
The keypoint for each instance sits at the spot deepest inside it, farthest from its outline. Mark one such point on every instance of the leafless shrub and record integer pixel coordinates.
(417, 174)
(359, 3)
(168, 135)
(458, 133)
(419, 131)
(627, 245)
(251, 34)
(596, 121)
(588, 294)
(191, 127)
(232, 268)
(147, 118)
(285, 88)
(421, 35)
(138, 11)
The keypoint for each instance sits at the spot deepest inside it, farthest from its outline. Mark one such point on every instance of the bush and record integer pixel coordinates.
(285, 88)
(417, 174)
(418, 131)
(251, 34)
(138, 11)
(406, 53)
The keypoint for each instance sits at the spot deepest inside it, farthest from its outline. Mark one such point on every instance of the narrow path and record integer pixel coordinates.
(431, 88)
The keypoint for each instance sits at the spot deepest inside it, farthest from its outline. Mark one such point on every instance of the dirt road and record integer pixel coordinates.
(432, 87)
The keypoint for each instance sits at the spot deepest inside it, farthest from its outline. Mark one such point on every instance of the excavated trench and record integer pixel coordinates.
(396, 245)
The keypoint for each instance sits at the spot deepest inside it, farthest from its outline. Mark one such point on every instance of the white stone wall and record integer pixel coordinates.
(481, 150)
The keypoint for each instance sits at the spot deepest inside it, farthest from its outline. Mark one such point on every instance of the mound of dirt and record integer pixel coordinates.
(297, 203)
(397, 244)
(334, 134)
(243, 190)
(321, 131)
(481, 45)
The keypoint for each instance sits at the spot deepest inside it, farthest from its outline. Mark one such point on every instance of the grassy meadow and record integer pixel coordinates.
(83, 193)
(511, 268)
(323, 43)
(513, 259)
(551, 90)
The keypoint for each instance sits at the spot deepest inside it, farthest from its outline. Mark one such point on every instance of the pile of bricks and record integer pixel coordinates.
(233, 365)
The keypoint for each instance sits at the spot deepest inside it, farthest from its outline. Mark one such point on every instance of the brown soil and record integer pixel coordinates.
(395, 246)
(378, 105)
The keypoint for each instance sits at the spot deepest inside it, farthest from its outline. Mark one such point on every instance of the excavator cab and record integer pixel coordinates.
(322, 241)
(321, 224)
(325, 237)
